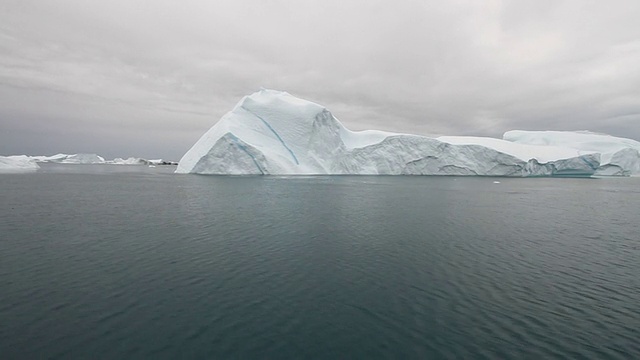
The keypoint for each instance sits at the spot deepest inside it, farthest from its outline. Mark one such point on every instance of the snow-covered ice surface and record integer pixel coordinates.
(273, 132)
(619, 156)
(18, 163)
(522, 152)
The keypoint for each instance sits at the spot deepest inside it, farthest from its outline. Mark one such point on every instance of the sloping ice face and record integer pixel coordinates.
(273, 132)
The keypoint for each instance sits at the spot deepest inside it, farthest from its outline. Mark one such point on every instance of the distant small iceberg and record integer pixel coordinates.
(70, 159)
(84, 158)
(128, 161)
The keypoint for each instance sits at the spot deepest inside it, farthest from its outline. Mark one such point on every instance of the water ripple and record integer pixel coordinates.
(317, 267)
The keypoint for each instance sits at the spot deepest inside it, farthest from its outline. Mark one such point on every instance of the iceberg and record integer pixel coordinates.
(95, 159)
(161, 162)
(273, 132)
(83, 159)
(52, 158)
(17, 163)
(71, 159)
(140, 161)
(618, 156)
(128, 161)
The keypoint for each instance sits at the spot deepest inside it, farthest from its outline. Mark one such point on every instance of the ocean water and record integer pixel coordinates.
(123, 262)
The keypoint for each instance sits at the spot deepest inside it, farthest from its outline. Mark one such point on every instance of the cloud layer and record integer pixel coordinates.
(147, 78)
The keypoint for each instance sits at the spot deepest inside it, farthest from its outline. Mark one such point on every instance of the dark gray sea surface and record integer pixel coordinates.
(123, 262)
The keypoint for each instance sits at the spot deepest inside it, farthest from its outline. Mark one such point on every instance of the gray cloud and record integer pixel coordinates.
(147, 78)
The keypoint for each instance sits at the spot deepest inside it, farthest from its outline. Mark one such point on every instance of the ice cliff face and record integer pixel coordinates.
(619, 156)
(272, 132)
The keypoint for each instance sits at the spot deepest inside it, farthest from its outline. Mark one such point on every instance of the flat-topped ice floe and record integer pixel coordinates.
(273, 132)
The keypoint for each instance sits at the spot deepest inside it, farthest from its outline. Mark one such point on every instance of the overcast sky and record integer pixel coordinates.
(148, 78)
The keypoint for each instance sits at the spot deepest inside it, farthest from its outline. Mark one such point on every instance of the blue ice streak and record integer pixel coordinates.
(244, 148)
(274, 133)
(590, 164)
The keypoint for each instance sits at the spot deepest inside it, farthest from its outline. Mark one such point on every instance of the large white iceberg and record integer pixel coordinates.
(618, 156)
(273, 132)
(18, 163)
